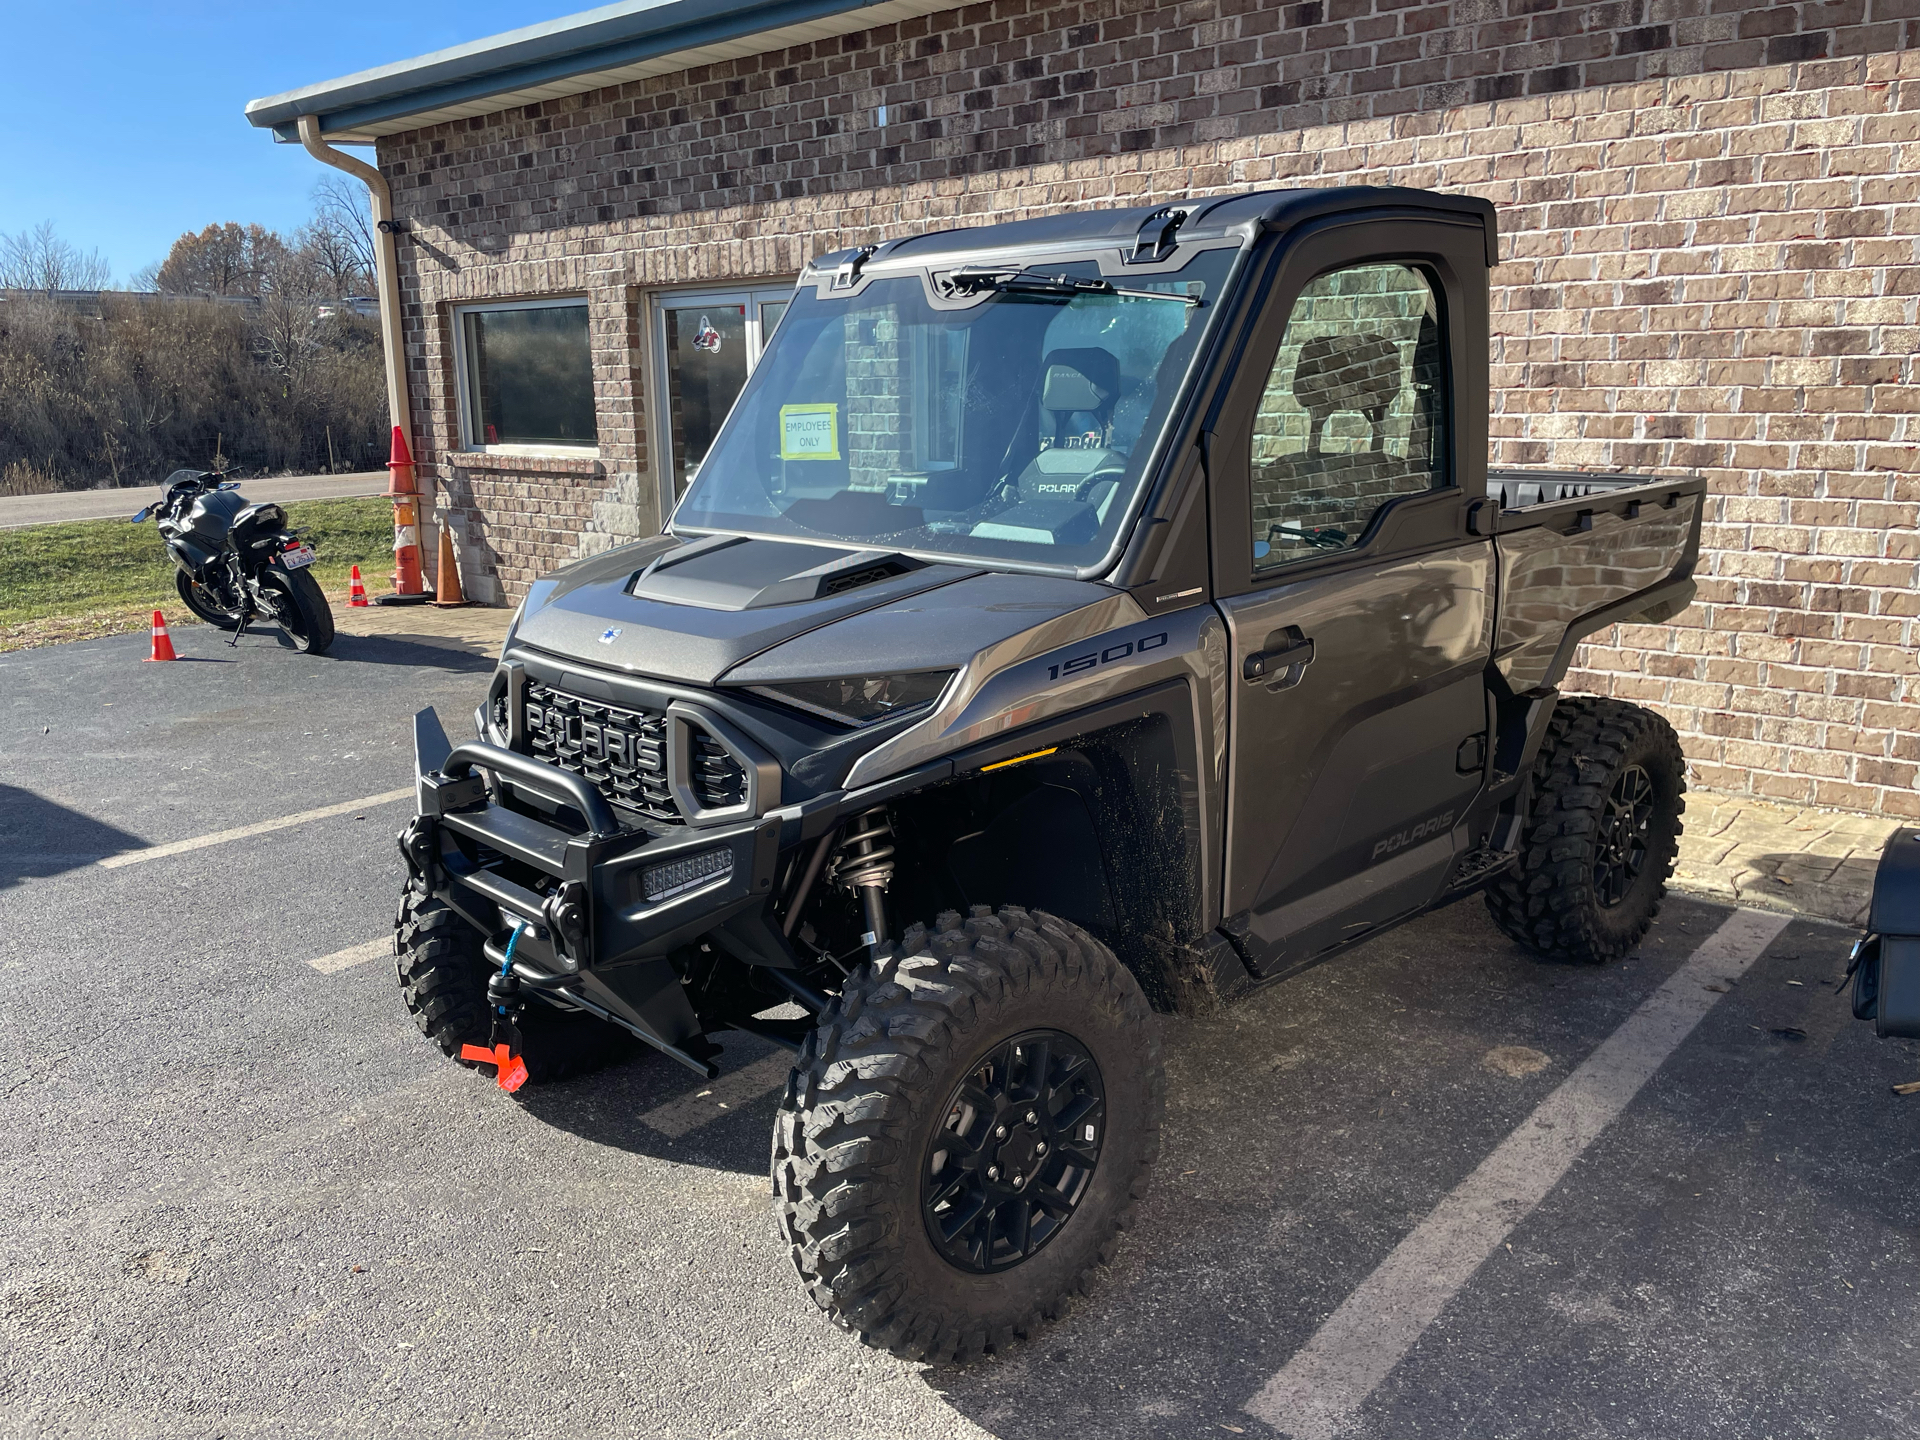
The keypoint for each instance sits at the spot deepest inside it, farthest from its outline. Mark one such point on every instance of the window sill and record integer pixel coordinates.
(545, 462)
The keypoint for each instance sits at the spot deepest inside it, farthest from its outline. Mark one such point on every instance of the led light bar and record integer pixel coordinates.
(685, 872)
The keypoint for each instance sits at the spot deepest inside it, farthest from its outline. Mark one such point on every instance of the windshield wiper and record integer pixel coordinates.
(971, 279)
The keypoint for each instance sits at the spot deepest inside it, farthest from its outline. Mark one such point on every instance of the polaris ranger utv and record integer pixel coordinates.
(1073, 618)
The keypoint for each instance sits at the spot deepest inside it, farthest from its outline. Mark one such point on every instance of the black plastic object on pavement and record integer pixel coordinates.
(1886, 962)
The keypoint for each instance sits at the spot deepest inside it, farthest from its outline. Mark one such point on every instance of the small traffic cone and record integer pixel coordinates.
(356, 592)
(446, 576)
(162, 643)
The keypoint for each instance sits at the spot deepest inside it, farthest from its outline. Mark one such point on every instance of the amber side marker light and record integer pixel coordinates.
(1003, 764)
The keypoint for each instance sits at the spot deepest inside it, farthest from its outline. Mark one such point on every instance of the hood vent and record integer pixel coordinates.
(729, 573)
(844, 580)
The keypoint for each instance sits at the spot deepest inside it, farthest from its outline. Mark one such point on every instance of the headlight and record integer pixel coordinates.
(862, 699)
(676, 877)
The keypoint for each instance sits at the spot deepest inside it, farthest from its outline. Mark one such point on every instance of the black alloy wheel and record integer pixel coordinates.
(1602, 833)
(1626, 821)
(1016, 1152)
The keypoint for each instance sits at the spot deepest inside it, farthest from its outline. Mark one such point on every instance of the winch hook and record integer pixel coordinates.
(503, 1048)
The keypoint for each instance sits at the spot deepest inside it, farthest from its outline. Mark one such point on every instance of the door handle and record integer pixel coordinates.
(1263, 663)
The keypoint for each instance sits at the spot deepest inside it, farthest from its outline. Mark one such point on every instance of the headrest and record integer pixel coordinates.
(1067, 389)
(1347, 372)
(1086, 378)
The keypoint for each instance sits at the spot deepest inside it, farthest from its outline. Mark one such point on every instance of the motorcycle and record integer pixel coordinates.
(236, 562)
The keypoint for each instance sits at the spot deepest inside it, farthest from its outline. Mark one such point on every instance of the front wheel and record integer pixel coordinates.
(202, 602)
(1602, 837)
(300, 608)
(967, 1132)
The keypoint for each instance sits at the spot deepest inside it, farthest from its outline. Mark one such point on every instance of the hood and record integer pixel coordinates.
(691, 611)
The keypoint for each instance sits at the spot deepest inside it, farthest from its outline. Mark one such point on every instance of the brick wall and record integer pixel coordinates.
(1709, 237)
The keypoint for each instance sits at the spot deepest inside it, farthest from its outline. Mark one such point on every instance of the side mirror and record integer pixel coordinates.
(142, 514)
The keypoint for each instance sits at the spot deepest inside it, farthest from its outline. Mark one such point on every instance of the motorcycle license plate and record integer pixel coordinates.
(295, 557)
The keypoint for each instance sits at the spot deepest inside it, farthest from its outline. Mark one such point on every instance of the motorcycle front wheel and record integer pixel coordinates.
(301, 609)
(201, 601)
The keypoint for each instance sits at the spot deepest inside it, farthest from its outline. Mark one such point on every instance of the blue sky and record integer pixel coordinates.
(122, 123)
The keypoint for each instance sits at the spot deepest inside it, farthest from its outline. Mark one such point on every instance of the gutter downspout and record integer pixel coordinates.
(386, 265)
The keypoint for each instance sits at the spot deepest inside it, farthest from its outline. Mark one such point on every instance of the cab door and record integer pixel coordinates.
(1358, 605)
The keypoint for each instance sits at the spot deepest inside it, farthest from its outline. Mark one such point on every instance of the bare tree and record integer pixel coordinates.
(38, 259)
(344, 210)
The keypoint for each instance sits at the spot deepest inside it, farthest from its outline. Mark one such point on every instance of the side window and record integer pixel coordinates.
(1352, 415)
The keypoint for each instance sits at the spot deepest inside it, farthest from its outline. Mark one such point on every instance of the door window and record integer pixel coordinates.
(708, 344)
(1353, 411)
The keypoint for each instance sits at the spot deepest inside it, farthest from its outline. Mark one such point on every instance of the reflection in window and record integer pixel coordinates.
(1352, 415)
(528, 375)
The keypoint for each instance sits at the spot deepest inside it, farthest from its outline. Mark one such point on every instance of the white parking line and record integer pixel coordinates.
(729, 1092)
(1331, 1376)
(221, 837)
(353, 955)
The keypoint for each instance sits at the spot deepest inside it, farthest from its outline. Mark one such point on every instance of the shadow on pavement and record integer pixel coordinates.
(30, 825)
(466, 657)
(612, 1108)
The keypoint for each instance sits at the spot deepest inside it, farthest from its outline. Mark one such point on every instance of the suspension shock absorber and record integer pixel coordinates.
(863, 866)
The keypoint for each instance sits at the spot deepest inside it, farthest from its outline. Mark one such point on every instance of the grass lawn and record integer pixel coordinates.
(84, 578)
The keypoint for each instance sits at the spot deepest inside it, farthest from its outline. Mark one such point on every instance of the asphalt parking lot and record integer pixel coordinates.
(245, 1198)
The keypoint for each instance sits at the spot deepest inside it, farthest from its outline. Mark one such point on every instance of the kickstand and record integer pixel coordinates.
(233, 641)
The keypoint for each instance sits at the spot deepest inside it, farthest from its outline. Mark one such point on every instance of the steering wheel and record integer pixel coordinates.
(1325, 538)
(1084, 491)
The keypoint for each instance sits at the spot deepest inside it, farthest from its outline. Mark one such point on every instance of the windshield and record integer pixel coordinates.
(1017, 427)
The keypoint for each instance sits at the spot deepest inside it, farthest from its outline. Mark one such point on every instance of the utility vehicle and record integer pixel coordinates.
(1074, 618)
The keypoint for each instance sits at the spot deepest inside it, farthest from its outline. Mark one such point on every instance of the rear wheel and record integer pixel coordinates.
(443, 977)
(967, 1132)
(1600, 843)
(301, 609)
(202, 602)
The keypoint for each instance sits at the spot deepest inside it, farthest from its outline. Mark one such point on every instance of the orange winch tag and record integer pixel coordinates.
(511, 1070)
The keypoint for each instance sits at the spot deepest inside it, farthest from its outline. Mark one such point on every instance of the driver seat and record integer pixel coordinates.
(1077, 392)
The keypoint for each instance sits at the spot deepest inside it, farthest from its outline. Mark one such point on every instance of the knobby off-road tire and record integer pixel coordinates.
(1608, 793)
(443, 977)
(201, 603)
(304, 612)
(876, 1083)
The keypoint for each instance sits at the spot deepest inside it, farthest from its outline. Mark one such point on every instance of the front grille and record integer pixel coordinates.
(623, 752)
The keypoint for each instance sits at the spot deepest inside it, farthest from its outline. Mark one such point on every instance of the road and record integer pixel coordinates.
(246, 1199)
(18, 510)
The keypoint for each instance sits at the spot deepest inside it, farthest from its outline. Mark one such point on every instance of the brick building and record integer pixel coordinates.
(1709, 217)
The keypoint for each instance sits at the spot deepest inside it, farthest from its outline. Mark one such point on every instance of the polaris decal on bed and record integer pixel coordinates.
(1425, 830)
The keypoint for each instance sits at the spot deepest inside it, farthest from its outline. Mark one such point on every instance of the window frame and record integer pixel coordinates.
(753, 294)
(463, 380)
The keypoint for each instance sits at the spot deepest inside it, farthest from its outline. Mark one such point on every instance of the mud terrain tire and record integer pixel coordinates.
(443, 977)
(1608, 793)
(875, 1092)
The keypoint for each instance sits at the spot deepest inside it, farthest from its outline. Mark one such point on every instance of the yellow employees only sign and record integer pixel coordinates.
(809, 432)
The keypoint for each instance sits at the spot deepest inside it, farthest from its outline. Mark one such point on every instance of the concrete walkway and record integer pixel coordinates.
(19, 510)
(1817, 863)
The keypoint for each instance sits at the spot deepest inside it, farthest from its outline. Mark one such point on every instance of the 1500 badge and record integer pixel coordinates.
(1080, 664)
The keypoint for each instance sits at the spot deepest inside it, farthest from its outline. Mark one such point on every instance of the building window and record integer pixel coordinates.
(526, 376)
(708, 342)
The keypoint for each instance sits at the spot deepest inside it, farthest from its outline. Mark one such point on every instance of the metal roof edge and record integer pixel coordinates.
(579, 45)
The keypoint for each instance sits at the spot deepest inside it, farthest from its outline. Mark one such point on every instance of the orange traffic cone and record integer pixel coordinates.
(162, 644)
(356, 592)
(446, 576)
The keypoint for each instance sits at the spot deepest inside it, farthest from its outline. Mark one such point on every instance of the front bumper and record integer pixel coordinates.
(600, 912)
